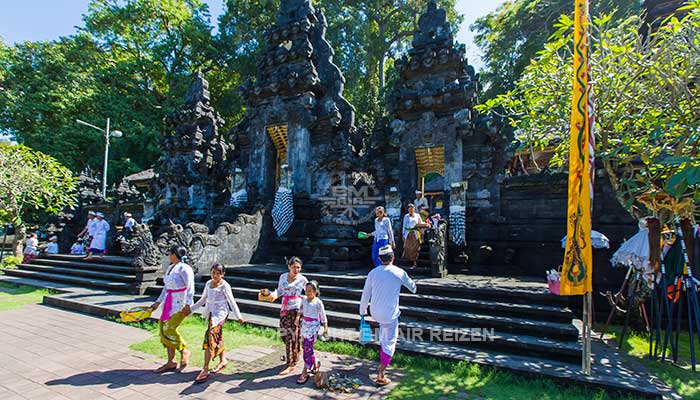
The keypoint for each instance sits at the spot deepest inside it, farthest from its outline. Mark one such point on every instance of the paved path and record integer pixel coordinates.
(52, 354)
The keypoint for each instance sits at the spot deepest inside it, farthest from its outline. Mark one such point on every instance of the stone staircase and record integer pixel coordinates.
(488, 323)
(109, 272)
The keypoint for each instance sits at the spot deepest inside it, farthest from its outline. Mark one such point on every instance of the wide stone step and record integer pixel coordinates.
(455, 290)
(74, 271)
(537, 312)
(76, 280)
(85, 265)
(111, 260)
(474, 336)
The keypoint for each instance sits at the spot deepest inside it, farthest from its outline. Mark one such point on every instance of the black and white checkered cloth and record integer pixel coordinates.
(283, 211)
(457, 225)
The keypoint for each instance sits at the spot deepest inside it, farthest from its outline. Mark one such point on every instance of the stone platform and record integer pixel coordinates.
(612, 370)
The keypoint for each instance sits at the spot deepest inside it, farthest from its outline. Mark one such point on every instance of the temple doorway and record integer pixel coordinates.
(430, 162)
(278, 136)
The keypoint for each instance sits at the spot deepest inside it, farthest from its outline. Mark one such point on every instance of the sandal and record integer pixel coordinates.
(383, 382)
(165, 368)
(316, 367)
(202, 379)
(218, 368)
(302, 379)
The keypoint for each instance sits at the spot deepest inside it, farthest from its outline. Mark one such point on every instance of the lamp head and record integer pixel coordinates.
(116, 134)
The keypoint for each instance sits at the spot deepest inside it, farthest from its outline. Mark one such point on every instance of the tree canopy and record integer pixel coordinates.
(132, 61)
(647, 103)
(513, 34)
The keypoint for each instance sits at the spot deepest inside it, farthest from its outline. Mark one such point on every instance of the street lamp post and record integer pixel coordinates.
(108, 134)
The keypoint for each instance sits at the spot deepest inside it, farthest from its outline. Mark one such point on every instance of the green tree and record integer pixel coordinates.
(513, 34)
(647, 103)
(30, 181)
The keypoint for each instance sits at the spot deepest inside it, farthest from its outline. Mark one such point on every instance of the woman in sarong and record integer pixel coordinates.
(412, 235)
(177, 297)
(290, 287)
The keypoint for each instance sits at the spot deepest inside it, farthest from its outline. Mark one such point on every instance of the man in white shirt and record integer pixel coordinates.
(382, 289)
(52, 246)
(129, 222)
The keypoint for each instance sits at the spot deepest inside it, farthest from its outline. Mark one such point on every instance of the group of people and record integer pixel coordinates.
(414, 222)
(32, 248)
(302, 313)
(95, 233)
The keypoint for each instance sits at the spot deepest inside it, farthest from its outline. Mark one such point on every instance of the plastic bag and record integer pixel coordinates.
(365, 331)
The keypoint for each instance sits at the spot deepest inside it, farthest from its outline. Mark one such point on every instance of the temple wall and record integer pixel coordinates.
(526, 239)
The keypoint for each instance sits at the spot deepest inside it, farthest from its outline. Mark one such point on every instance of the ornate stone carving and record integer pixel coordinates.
(141, 247)
(437, 239)
(193, 174)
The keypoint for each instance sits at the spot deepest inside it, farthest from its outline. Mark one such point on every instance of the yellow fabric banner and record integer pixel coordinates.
(577, 270)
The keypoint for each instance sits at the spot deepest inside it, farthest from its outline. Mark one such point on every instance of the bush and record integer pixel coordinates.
(10, 262)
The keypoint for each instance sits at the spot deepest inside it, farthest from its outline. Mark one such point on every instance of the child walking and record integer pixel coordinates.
(313, 315)
(218, 300)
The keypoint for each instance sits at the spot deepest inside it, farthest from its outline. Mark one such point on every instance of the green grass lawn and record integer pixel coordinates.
(12, 296)
(192, 330)
(424, 378)
(683, 380)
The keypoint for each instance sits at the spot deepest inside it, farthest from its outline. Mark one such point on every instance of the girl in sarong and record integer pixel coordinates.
(412, 235)
(290, 287)
(313, 315)
(177, 297)
(218, 301)
(383, 234)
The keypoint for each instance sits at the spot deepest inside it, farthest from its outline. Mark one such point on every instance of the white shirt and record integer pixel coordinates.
(295, 288)
(77, 249)
(52, 248)
(312, 309)
(129, 224)
(91, 226)
(383, 230)
(178, 276)
(219, 302)
(421, 204)
(382, 289)
(410, 222)
(32, 247)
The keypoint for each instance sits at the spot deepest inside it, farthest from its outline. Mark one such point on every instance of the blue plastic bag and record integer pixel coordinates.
(365, 331)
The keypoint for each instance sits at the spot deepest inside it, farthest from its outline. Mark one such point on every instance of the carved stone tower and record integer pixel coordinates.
(192, 175)
(436, 143)
(297, 115)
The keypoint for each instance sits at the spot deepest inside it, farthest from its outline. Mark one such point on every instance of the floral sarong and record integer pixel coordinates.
(169, 333)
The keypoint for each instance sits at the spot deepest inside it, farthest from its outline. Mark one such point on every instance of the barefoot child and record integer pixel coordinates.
(313, 314)
(289, 288)
(218, 300)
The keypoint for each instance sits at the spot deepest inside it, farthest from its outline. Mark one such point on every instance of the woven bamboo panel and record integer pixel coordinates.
(430, 159)
(278, 135)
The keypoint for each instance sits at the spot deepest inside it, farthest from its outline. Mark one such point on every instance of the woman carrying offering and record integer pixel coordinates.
(218, 300)
(383, 234)
(313, 315)
(177, 297)
(290, 287)
(412, 236)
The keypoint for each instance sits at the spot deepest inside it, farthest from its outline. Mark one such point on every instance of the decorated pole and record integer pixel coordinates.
(577, 269)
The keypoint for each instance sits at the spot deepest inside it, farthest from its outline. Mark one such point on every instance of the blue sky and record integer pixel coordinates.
(48, 19)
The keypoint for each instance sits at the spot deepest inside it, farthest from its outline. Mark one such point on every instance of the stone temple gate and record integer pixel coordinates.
(297, 148)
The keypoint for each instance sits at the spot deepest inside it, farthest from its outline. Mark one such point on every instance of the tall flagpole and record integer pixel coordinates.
(577, 268)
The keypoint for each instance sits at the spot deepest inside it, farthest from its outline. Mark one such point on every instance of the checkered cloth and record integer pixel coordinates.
(239, 199)
(457, 225)
(283, 211)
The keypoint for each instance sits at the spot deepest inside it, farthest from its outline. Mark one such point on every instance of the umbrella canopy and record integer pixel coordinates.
(599, 241)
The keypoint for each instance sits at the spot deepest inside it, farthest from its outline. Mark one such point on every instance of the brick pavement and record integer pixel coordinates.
(52, 354)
